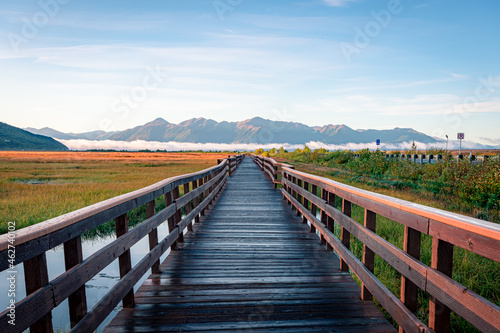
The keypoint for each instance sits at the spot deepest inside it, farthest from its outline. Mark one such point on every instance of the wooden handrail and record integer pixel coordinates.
(272, 168)
(32, 242)
(448, 229)
(472, 234)
(233, 162)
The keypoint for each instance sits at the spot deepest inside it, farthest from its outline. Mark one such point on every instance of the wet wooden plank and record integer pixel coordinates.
(250, 265)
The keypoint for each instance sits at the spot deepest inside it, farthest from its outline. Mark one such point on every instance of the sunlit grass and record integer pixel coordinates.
(35, 187)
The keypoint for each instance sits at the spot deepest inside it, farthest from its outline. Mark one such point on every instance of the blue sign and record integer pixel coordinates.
(378, 142)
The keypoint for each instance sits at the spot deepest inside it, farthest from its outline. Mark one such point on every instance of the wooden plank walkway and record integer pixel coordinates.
(250, 265)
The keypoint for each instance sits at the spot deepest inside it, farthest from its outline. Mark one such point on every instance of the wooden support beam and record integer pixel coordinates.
(77, 301)
(169, 199)
(188, 208)
(153, 235)
(177, 216)
(196, 201)
(36, 276)
(345, 236)
(409, 291)
(299, 197)
(314, 190)
(442, 260)
(124, 260)
(324, 217)
(306, 202)
(370, 223)
(330, 223)
(204, 195)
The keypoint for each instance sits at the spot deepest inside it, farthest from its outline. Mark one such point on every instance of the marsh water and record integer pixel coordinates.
(95, 289)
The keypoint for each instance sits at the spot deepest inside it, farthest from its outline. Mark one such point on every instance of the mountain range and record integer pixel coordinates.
(255, 130)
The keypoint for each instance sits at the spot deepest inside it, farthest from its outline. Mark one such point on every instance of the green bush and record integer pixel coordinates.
(461, 186)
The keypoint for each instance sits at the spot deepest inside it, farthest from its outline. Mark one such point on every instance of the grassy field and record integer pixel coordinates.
(36, 186)
(462, 188)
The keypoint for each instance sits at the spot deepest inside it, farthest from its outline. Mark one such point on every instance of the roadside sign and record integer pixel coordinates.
(460, 136)
(378, 142)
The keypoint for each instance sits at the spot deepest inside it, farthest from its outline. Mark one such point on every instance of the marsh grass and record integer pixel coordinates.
(35, 187)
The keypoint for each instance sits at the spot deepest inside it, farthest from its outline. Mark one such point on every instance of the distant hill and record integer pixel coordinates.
(255, 130)
(94, 135)
(13, 138)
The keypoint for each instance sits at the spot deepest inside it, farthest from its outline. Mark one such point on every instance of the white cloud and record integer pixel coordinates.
(458, 76)
(337, 3)
(183, 146)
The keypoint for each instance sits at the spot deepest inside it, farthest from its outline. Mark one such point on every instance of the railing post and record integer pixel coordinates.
(324, 217)
(36, 276)
(306, 202)
(275, 175)
(188, 208)
(77, 301)
(202, 195)
(368, 255)
(298, 196)
(177, 216)
(330, 222)
(210, 188)
(124, 260)
(288, 188)
(442, 260)
(409, 291)
(171, 220)
(153, 235)
(345, 236)
(205, 194)
(314, 191)
(294, 194)
(196, 201)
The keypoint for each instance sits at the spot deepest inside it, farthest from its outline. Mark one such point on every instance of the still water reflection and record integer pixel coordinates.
(96, 288)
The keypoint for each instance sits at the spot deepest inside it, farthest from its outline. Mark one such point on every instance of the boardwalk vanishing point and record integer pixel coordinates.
(251, 264)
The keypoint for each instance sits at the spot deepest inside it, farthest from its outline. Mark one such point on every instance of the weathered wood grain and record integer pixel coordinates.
(250, 264)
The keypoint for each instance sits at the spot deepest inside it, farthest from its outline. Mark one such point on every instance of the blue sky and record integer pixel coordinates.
(78, 65)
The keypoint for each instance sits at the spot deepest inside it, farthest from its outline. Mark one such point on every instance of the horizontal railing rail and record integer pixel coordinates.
(31, 244)
(233, 162)
(272, 169)
(314, 197)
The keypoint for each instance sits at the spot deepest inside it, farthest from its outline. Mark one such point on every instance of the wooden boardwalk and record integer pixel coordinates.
(250, 265)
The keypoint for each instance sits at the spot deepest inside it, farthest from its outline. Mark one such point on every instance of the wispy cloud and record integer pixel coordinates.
(458, 76)
(337, 3)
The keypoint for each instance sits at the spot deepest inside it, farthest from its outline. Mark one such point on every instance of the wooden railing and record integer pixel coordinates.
(271, 168)
(31, 244)
(312, 195)
(232, 162)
